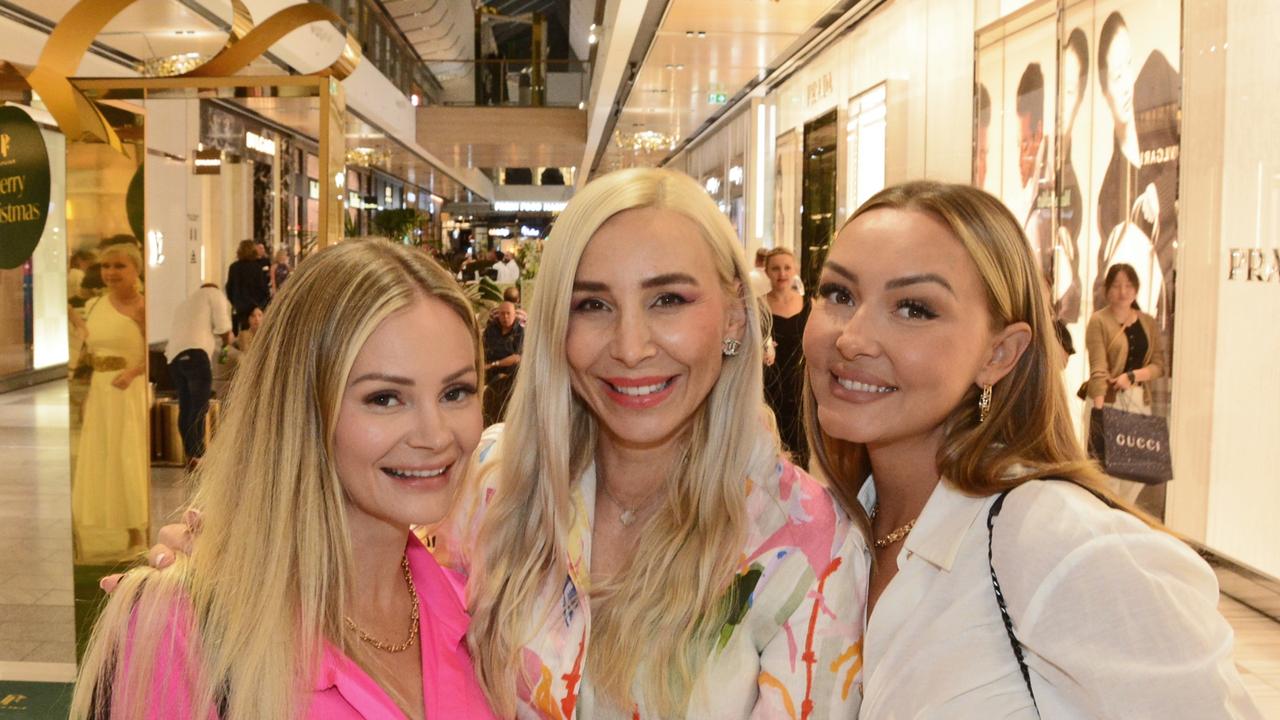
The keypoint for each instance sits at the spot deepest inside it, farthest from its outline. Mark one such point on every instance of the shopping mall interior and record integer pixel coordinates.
(169, 141)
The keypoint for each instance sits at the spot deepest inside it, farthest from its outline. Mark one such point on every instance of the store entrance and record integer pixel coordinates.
(818, 197)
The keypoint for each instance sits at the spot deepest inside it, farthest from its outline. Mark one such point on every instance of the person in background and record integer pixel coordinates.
(512, 295)
(247, 283)
(109, 488)
(1126, 351)
(784, 377)
(245, 337)
(197, 324)
(759, 280)
(507, 269)
(1005, 582)
(306, 595)
(503, 344)
(81, 261)
(279, 271)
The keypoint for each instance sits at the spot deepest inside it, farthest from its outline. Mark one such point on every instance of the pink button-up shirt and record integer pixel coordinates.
(344, 691)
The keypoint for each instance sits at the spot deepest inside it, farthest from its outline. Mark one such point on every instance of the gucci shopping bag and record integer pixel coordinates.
(1131, 446)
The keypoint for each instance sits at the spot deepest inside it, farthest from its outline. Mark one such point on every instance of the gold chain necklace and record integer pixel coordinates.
(628, 515)
(894, 536)
(413, 618)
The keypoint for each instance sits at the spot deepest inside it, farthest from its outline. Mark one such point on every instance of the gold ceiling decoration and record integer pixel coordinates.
(645, 141)
(80, 119)
(368, 157)
(172, 65)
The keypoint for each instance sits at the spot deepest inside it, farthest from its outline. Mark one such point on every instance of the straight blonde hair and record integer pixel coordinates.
(1029, 433)
(270, 577)
(670, 595)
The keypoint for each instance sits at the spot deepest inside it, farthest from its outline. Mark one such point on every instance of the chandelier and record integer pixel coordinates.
(646, 141)
(171, 65)
(367, 156)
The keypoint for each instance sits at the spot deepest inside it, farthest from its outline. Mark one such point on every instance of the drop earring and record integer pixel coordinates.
(730, 347)
(984, 404)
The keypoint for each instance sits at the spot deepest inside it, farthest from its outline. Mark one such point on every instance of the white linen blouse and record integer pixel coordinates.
(1117, 620)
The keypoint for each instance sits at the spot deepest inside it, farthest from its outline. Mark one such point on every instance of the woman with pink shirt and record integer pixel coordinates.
(306, 595)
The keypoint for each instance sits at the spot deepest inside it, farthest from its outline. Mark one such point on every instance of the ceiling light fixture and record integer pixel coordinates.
(171, 65)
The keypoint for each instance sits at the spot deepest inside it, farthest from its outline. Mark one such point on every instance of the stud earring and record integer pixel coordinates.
(730, 347)
(984, 404)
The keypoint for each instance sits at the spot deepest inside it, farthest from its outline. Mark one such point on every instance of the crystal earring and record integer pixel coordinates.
(730, 347)
(984, 404)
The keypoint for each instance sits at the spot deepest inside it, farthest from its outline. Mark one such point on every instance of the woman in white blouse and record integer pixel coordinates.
(935, 407)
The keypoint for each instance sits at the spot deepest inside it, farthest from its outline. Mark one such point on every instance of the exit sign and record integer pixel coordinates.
(718, 98)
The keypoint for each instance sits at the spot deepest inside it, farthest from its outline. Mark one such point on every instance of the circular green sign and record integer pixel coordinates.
(24, 186)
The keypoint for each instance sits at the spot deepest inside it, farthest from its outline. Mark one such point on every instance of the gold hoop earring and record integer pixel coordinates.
(984, 404)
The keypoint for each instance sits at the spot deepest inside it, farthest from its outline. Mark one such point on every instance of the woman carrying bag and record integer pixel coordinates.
(1126, 351)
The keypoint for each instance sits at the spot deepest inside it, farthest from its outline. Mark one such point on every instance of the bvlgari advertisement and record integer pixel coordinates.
(24, 186)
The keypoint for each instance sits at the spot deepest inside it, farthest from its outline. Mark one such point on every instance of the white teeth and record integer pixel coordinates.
(416, 473)
(641, 390)
(863, 387)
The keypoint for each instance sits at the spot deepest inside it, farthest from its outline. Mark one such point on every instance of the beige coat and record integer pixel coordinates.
(1109, 348)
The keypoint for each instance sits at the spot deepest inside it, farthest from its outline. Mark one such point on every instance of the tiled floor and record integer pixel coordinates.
(36, 620)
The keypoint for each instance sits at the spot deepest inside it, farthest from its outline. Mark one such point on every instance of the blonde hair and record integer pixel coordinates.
(269, 580)
(669, 595)
(1028, 433)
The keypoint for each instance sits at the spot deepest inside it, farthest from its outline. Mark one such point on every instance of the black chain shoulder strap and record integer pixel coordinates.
(1004, 609)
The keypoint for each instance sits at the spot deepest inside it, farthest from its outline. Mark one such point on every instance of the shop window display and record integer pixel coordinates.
(1076, 128)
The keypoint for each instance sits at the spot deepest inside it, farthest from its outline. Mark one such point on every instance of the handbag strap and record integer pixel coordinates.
(1004, 609)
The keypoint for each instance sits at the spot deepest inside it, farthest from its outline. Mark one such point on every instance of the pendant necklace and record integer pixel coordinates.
(628, 515)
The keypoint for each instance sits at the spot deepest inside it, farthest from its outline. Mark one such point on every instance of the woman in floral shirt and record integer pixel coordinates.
(637, 546)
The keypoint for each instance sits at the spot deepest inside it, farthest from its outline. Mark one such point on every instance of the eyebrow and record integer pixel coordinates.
(896, 283)
(675, 278)
(917, 279)
(401, 380)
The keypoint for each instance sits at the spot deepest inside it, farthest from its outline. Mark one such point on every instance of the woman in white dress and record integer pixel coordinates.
(109, 495)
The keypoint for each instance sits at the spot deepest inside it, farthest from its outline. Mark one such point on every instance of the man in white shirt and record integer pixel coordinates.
(198, 321)
(507, 269)
(759, 281)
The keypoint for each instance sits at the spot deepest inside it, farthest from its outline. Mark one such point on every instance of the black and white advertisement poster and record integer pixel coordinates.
(1077, 130)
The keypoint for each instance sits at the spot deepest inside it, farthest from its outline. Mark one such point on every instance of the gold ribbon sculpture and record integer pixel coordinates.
(79, 117)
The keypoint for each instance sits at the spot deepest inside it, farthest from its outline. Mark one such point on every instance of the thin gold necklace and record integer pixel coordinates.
(895, 536)
(628, 515)
(413, 618)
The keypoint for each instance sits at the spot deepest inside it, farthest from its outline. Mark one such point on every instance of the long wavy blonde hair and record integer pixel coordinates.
(1029, 433)
(270, 577)
(669, 596)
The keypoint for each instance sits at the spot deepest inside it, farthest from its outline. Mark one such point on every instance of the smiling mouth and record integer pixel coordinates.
(855, 386)
(641, 390)
(402, 474)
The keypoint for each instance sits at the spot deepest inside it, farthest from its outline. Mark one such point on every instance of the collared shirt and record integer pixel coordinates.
(342, 689)
(499, 345)
(796, 645)
(1117, 620)
(197, 321)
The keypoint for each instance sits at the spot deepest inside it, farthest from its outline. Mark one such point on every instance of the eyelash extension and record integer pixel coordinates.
(465, 388)
(918, 307)
(828, 288)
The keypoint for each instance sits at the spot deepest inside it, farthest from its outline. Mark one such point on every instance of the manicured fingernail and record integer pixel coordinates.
(160, 560)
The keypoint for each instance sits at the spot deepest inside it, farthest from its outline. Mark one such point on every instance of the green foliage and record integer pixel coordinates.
(398, 225)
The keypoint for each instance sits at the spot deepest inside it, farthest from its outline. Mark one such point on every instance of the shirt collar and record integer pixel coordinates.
(941, 525)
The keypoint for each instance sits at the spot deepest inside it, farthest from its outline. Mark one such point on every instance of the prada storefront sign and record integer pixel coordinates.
(1255, 265)
(24, 186)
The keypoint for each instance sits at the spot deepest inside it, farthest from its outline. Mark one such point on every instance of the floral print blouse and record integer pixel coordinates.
(791, 649)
